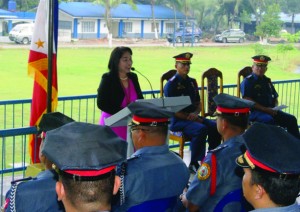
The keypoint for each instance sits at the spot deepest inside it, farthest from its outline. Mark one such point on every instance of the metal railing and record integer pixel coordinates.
(15, 115)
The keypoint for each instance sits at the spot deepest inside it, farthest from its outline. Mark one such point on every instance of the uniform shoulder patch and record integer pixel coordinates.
(172, 78)
(249, 76)
(218, 148)
(204, 171)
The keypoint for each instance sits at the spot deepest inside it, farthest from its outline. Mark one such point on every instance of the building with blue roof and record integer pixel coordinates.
(87, 20)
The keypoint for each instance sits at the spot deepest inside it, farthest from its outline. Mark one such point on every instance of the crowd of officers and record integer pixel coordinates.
(87, 169)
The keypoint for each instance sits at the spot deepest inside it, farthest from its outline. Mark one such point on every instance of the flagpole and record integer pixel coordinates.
(50, 54)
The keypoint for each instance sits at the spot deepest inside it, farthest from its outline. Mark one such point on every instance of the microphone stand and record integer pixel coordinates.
(133, 69)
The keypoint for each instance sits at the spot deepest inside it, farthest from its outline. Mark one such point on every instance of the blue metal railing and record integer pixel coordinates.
(15, 115)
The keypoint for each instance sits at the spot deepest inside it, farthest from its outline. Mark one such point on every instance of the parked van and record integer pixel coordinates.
(232, 35)
(22, 33)
(187, 34)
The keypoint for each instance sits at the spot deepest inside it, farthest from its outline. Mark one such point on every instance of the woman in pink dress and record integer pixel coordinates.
(118, 87)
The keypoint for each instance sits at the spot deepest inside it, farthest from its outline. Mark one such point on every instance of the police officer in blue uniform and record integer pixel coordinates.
(153, 171)
(85, 157)
(38, 193)
(218, 174)
(188, 120)
(271, 166)
(259, 88)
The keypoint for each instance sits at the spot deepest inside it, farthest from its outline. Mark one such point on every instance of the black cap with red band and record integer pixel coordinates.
(271, 149)
(148, 114)
(231, 105)
(261, 59)
(83, 151)
(184, 57)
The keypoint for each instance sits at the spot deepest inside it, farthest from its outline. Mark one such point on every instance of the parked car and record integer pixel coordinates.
(21, 33)
(232, 35)
(187, 34)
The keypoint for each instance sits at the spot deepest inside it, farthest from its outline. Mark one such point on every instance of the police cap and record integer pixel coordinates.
(271, 149)
(50, 121)
(184, 57)
(261, 59)
(84, 151)
(231, 105)
(148, 114)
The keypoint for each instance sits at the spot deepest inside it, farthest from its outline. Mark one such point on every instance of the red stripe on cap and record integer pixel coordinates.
(235, 110)
(148, 120)
(260, 61)
(259, 164)
(90, 173)
(182, 59)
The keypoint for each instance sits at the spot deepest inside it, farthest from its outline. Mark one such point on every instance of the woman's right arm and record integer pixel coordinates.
(102, 95)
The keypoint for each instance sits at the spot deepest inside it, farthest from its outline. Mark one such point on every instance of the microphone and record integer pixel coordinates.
(133, 69)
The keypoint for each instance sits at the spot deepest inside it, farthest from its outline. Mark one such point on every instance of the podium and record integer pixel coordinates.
(123, 117)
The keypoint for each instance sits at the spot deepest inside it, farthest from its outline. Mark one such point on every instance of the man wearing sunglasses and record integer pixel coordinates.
(259, 88)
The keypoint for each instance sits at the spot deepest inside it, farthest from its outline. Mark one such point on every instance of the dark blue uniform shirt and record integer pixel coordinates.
(37, 194)
(177, 86)
(261, 90)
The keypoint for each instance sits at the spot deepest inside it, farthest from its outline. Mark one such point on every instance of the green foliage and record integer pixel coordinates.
(258, 48)
(292, 38)
(271, 23)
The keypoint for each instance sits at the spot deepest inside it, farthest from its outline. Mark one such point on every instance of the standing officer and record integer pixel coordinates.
(85, 156)
(259, 88)
(153, 171)
(38, 193)
(218, 174)
(271, 165)
(188, 120)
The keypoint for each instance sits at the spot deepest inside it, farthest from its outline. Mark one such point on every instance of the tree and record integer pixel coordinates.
(270, 24)
(109, 4)
(291, 7)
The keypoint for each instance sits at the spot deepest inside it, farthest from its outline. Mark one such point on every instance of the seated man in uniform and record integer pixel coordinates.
(85, 156)
(188, 120)
(38, 193)
(153, 171)
(219, 174)
(259, 88)
(271, 165)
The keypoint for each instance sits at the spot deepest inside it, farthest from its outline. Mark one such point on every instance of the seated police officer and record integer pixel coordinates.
(38, 194)
(188, 120)
(85, 156)
(219, 174)
(271, 164)
(153, 171)
(259, 88)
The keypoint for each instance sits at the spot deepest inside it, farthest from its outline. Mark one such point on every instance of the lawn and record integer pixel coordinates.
(80, 69)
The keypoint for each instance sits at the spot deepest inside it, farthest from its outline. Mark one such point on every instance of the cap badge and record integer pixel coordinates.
(262, 58)
(203, 171)
(187, 56)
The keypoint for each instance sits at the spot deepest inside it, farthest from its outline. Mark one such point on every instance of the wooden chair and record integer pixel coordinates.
(244, 72)
(178, 135)
(211, 76)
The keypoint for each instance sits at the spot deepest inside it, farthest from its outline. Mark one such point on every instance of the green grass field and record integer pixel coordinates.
(80, 69)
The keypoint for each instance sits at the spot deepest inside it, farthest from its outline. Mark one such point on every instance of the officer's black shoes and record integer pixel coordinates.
(193, 167)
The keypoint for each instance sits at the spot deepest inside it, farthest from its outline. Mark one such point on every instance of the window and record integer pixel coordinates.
(88, 26)
(152, 27)
(65, 25)
(127, 27)
(169, 27)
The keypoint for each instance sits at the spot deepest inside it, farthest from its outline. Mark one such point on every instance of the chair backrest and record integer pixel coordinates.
(214, 82)
(166, 76)
(165, 204)
(244, 72)
(233, 196)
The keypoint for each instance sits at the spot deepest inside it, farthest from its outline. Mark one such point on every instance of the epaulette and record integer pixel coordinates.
(218, 148)
(172, 78)
(133, 158)
(249, 76)
(21, 180)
